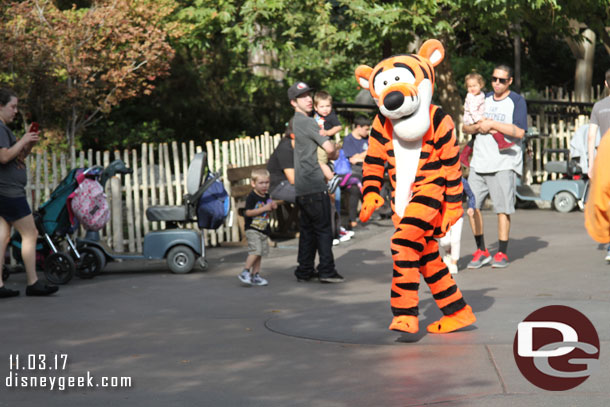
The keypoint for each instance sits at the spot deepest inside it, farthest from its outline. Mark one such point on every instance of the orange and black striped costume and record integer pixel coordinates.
(416, 142)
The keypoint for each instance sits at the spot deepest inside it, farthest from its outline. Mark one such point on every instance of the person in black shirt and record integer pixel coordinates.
(281, 168)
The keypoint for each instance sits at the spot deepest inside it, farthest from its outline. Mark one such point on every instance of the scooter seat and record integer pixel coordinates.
(167, 213)
(561, 167)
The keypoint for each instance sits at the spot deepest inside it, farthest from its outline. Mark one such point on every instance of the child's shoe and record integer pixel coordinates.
(465, 156)
(448, 260)
(245, 277)
(345, 232)
(344, 235)
(258, 280)
(453, 268)
(502, 143)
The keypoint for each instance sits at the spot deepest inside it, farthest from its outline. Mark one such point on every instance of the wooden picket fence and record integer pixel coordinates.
(159, 177)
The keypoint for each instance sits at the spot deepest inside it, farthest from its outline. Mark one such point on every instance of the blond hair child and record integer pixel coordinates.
(258, 206)
(329, 126)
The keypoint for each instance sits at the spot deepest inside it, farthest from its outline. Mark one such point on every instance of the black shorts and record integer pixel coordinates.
(12, 209)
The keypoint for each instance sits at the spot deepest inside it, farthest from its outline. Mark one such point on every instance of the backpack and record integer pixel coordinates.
(342, 164)
(89, 205)
(213, 206)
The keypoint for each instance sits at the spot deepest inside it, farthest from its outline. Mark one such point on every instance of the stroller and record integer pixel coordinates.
(56, 253)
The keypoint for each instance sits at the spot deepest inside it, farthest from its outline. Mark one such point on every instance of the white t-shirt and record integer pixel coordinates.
(486, 157)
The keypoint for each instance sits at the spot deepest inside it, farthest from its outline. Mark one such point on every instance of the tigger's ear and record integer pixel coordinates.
(433, 51)
(363, 73)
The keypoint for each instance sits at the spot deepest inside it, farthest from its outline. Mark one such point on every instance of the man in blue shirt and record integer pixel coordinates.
(495, 172)
(355, 146)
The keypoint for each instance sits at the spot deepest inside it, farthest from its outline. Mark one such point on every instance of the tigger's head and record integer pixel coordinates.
(402, 88)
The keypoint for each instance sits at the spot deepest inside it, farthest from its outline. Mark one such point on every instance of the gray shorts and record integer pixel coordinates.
(499, 185)
(258, 243)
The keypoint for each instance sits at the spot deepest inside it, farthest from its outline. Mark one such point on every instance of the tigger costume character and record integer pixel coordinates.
(417, 141)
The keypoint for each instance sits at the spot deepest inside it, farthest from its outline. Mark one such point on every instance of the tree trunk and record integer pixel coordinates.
(584, 52)
(447, 91)
(517, 52)
(386, 49)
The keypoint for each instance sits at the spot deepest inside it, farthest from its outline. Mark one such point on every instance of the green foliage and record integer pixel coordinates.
(235, 59)
(122, 134)
(74, 64)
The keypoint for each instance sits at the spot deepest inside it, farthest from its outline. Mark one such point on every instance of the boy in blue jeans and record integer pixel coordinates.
(258, 205)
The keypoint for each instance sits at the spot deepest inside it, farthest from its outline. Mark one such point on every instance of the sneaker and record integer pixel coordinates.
(336, 242)
(245, 277)
(333, 278)
(344, 238)
(258, 280)
(453, 268)
(303, 278)
(39, 289)
(7, 292)
(479, 259)
(447, 259)
(343, 231)
(500, 260)
(333, 184)
(608, 256)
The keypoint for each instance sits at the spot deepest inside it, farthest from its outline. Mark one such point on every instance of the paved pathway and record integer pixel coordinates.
(203, 339)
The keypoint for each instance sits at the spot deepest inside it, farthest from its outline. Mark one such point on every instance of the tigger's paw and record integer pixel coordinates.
(453, 322)
(405, 323)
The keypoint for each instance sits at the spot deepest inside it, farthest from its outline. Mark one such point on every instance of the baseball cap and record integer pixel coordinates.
(297, 90)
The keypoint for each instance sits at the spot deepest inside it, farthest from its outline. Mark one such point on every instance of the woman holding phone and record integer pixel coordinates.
(14, 208)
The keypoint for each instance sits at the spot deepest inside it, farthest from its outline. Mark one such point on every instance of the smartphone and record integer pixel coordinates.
(34, 127)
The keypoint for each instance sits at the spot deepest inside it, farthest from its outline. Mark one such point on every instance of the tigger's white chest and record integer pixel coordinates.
(407, 155)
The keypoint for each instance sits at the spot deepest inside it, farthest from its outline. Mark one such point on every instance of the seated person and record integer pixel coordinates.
(281, 168)
(355, 146)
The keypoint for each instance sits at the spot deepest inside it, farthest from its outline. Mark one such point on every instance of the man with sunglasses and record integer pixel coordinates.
(495, 172)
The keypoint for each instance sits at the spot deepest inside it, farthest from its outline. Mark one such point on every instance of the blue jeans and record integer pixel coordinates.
(316, 235)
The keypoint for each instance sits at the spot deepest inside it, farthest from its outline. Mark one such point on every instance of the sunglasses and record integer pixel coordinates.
(503, 81)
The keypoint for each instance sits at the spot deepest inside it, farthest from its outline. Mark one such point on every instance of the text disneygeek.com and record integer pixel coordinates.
(25, 373)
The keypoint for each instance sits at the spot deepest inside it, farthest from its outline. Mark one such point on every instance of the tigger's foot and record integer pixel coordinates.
(453, 322)
(405, 323)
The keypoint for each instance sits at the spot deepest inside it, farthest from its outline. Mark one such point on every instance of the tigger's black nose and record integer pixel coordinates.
(393, 100)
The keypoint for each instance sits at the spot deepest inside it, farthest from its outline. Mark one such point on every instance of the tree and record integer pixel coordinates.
(74, 65)
(237, 57)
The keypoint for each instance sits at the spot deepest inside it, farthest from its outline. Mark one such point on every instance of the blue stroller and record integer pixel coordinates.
(52, 220)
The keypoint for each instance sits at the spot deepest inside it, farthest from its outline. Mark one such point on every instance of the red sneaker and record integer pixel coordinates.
(500, 260)
(479, 259)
